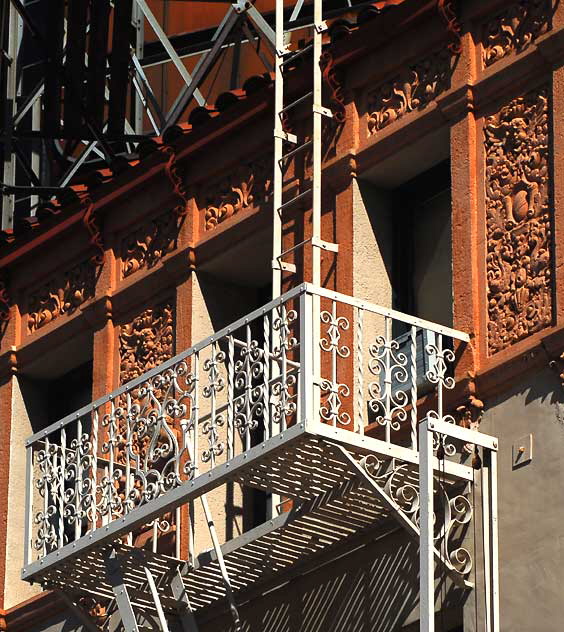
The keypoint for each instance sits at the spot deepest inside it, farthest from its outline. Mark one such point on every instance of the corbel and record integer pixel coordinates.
(173, 172)
(91, 221)
(5, 301)
(448, 11)
(332, 77)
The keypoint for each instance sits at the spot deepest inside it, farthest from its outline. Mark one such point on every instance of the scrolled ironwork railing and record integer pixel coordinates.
(310, 355)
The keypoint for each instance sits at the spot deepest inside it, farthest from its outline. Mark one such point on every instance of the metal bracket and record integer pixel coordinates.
(324, 245)
(291, 138)
(319, 109)
(283, 265)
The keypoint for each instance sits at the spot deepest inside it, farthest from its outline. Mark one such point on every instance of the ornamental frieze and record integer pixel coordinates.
(63, 294)
(149, 243)
(518, 216)
(147, 341)
(247, 187)
(515, 29)
(413, 89)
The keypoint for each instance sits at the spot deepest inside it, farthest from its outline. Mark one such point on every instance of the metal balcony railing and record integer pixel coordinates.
(312, 356)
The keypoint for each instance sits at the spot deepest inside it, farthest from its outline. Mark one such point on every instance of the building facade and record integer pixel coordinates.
(442, 186)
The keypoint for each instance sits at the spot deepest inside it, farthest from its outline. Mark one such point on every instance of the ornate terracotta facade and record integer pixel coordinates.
(466, 77)
(63, 294)
(145, 342)
(519, 235)
(515, 29)
(413, 89)
(246, 187)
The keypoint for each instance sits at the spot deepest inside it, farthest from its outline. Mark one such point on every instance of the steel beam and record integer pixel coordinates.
(159, 32)
(9, 169)
(202, 68)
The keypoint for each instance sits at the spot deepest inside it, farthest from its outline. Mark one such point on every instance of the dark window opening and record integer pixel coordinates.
(422, 246)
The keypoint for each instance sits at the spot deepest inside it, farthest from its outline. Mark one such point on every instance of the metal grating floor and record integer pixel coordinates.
(330, 505)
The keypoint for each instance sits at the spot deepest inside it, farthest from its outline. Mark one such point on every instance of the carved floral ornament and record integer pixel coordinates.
(147, 341)
(413, 89)
(515, 29)
(145, 247)
(247, 187)
(63, 294)
(519, 239)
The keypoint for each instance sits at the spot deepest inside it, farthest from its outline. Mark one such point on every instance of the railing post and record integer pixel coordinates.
(28, 503)
(426, 560)
(306, 358)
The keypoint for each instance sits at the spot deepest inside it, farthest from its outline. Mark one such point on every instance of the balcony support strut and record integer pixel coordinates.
(119, 589)
(187, 619)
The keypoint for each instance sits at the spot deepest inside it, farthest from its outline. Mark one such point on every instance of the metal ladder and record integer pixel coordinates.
(283, 139)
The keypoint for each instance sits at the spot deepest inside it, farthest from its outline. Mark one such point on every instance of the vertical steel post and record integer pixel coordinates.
(138, 25)
(306, 359)
(426, 561)
(486, 540)
(495, 542)
(316, 150)
(278, 149)
(9, 175)
(29, 487)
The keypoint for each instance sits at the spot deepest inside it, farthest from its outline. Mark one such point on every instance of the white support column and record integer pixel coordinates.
(426, 562)
(316, 151)
(486, 517)
(278, 149)
(495, 543)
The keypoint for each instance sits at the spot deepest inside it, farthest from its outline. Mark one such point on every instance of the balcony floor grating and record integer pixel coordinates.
(330, 505)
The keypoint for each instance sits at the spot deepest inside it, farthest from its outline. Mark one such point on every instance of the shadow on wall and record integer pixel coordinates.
(371, 589)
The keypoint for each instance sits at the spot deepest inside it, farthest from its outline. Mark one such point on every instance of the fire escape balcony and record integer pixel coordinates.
(335, 407)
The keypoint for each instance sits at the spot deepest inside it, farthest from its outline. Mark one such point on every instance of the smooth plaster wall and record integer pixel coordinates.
(372, 244)
(214, 305)
(16, 590)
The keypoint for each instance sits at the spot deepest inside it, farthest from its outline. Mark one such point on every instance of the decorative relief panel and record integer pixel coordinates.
(519, 240)
(149, 243)
(413, 89)
(61, 295)
(147, 341)
(247, 187)
(515, 29)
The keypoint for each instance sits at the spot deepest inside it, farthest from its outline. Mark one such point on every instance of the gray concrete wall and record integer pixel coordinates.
(531, 505)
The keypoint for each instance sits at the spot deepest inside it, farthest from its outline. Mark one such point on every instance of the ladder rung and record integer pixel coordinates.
(307, 95)
(295, 151)
(295, 199)
(296, 54)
